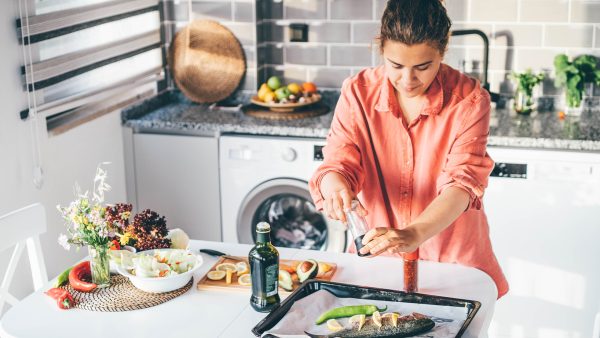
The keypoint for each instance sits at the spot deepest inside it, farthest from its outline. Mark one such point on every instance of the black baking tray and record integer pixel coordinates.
(342, 290)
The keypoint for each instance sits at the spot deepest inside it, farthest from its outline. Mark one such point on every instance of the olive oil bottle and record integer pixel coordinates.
(264, 269)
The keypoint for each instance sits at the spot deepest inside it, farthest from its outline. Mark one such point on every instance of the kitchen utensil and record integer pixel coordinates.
(207, 61)
(361, 292)
(357, 225)
(221, 254)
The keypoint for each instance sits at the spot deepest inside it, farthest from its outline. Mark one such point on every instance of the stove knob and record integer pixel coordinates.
(289, 155)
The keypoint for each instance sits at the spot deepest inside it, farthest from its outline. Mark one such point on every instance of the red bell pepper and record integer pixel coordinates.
(78, 273)
(64, 300)
(115, 245)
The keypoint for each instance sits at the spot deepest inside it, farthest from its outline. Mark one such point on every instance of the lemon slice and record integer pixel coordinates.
(226, 266)
(376, 318)
(334, 325)
(393, 317)
(324, 268)
(245, 279)
(357, 321)
(241, 268)
(228, 273)
(216, 275)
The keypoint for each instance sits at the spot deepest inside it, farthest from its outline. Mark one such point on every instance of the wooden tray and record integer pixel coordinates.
(206, 283)
(300, 113)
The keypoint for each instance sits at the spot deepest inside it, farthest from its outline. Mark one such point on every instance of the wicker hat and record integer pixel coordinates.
(207, 61)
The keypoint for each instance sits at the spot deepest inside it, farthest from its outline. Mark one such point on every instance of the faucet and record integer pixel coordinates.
(486, 51)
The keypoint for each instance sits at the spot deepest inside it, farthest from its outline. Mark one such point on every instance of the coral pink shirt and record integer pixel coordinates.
(397, 168)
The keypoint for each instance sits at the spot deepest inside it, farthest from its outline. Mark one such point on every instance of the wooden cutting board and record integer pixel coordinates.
(206, 283)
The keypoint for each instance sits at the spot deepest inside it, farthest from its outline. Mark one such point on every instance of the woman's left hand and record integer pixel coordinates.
(380, 240)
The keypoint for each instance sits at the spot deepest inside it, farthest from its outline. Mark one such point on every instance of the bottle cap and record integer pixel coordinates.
(263, 227)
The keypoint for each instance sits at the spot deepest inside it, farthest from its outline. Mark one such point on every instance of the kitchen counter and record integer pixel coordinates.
(172, 113)
(221, 313)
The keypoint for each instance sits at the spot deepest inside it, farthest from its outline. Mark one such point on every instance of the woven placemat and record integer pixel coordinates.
(121, 295)
(304, 112)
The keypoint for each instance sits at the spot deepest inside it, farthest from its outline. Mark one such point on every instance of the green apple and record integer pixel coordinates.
(273, 82)
(282, 93)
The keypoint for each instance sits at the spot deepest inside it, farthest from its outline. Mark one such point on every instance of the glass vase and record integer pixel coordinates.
(523, 103)
(100, 265)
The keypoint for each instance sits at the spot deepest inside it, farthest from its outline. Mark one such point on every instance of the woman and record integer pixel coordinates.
(408, 139)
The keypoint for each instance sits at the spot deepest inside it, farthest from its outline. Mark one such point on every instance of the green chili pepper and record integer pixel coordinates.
(62, 278)
(349, 311)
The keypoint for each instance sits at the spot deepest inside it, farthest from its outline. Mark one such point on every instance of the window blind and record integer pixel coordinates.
(85, 58)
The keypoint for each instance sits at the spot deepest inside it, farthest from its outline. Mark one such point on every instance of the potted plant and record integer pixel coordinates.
(526, 82)
(573, 75)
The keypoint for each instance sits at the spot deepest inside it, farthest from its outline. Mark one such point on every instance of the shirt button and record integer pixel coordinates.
(405, 194)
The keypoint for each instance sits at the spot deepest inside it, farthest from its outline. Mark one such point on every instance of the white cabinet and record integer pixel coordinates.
(178, 177)
(543, 208)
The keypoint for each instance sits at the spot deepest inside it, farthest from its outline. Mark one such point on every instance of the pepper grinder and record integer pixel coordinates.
(357, 225)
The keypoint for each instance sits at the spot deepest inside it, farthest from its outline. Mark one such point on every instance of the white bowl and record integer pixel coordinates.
(161, 284)
(113, 265)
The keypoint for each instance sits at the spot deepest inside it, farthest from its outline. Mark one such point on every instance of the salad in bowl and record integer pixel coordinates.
(160, 270)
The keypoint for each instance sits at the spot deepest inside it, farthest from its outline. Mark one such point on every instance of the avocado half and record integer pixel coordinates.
(285, 280)
(307, 269)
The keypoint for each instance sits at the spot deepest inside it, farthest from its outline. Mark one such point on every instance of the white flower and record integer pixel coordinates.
(100, 187)
(63, 240)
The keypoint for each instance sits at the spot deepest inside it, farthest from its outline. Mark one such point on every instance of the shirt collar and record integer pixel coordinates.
(434, 96)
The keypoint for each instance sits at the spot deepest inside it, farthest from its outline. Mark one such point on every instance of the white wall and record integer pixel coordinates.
(66, 158)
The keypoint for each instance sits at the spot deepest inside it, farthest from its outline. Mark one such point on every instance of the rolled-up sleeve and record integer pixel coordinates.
(341, 153)
(468, 165)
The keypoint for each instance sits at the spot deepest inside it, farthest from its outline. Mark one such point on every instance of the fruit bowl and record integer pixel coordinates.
(161, 284)
(288, 106)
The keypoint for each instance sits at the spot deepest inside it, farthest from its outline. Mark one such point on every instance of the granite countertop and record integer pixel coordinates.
(172, 113)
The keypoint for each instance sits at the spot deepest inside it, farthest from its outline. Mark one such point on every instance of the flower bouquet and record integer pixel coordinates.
(87, 225)
(108, 227)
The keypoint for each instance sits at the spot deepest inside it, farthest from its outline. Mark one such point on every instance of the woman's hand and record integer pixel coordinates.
(380, 240)
(337, 196)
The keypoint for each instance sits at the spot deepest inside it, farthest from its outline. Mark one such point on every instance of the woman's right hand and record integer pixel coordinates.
(337, 196)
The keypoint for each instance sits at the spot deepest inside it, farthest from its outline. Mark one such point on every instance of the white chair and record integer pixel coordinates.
(22, 228)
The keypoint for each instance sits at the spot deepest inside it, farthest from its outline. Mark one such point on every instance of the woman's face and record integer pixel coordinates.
(411, 69)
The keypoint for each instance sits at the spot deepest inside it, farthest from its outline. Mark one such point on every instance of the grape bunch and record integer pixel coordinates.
(118, 215)
(149, 231)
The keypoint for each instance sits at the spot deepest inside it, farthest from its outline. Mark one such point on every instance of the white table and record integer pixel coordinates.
(228, 314)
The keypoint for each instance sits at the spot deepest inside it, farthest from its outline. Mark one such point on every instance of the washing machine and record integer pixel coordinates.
(266, 179)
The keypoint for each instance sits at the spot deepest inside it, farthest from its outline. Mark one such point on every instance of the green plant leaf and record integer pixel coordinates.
(573, 75)
(561, 79)
(561, 61)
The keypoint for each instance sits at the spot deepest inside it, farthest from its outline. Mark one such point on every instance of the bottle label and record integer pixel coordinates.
(272, 278)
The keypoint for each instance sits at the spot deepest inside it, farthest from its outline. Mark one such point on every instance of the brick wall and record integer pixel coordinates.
(522, 34)
(239, 16)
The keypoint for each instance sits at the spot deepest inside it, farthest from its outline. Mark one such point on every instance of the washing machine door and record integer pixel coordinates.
(285, 203)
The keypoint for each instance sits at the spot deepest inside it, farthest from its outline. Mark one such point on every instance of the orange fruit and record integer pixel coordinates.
(269, 97)
(263, 91)
(294, 88)
(309, 87)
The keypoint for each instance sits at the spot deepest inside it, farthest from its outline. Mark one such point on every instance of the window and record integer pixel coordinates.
(86, 58)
